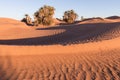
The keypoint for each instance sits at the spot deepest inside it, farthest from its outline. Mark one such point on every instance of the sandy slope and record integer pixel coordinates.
(100, 20)
(89, 61)
(13, 29)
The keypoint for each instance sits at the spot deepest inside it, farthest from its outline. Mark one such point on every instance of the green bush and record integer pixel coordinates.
(27, 20)
(44, 15)
(70, 16)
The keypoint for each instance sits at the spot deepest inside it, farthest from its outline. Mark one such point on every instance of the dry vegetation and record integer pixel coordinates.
(95, 54)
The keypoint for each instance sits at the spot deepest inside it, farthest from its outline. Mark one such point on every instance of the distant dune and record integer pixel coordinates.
(88, 50)
(111, 19)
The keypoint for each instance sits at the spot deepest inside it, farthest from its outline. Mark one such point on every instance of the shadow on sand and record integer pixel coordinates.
(78, 33)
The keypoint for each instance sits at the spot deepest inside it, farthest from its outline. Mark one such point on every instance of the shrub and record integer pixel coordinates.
(27, 20)
(44, 15)
(70, 16)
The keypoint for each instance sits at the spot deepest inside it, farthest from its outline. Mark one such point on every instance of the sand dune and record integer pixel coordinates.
(90, 52)
(111, 19)
(63, 35)
(13, 29)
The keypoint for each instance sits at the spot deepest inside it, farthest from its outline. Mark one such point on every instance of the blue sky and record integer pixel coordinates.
(87, 8)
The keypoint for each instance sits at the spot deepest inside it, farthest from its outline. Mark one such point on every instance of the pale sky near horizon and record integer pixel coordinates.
(88, 8)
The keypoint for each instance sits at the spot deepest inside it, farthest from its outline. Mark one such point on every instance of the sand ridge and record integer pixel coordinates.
(63, 35)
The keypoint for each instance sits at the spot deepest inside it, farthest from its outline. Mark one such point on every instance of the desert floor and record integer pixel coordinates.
(81, 51)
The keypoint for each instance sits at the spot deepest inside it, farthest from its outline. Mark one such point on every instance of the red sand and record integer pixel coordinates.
(82, 61)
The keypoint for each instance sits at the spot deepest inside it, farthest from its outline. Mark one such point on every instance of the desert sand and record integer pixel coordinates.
(88, 50)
